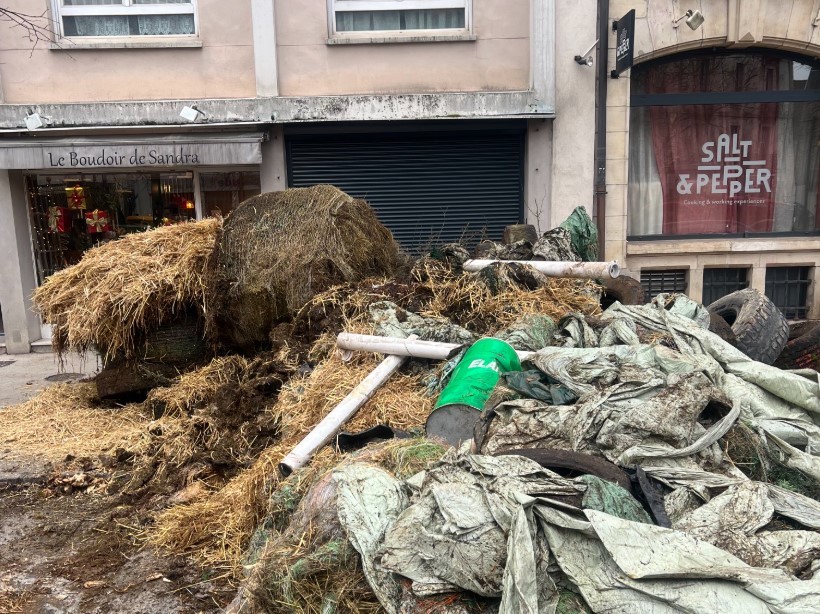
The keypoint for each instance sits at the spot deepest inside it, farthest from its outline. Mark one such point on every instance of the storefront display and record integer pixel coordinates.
(71, 213)
(724, 144)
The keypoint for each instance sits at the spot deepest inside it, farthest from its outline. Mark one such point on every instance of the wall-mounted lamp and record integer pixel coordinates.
(190, 114)
(585, 59)
(694, 19)
(34, 120)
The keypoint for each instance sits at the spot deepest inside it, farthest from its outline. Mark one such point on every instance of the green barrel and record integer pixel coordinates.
(471, 384)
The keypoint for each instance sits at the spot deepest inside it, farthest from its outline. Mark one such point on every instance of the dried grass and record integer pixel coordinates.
(121, 290)
(215, 530)
(67, 419)
(467, 300)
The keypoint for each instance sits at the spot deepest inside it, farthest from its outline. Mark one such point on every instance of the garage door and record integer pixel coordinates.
(429, 188)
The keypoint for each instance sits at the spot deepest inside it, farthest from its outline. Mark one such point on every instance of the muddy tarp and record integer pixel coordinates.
(783, 403)
(494, 525)
(390, 320)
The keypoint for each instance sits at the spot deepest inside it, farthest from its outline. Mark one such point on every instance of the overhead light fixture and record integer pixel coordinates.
(585, 59)
(190, 114)
(694, 19)
(34, 121)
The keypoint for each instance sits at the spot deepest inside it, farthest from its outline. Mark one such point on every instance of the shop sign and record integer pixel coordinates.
(117, 157)
(63, 154)
(624, 43)
(726, 168)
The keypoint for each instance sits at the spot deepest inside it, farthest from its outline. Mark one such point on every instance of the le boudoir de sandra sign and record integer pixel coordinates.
(103, 157)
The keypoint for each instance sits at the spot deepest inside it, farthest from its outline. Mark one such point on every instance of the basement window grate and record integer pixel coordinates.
(717, 283)
(667, 281)
(788, 289)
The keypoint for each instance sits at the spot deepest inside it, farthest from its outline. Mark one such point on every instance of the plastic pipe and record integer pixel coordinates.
(433, 350)
(331, 424)
(580, 270)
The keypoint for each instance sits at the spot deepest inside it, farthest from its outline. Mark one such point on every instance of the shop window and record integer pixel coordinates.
(717, 283)
(222, 192)
(393, 16)
(788, 288)
(663, 282)
(725, 145)
(118, 18)
(72, 213)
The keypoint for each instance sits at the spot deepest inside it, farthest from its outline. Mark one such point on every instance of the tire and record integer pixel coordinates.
(803, 352)
(759, 327)
(721, 328)
(624, 289)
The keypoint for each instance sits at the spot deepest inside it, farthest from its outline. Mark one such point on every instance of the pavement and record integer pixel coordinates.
(24, 375)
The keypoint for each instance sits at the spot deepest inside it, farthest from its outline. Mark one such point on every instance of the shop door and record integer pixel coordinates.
(428, 188)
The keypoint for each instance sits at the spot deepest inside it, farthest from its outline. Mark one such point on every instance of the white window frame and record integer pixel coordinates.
(375, 36)
(126, 7)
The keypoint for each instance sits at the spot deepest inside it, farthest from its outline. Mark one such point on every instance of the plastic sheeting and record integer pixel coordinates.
(504, 527)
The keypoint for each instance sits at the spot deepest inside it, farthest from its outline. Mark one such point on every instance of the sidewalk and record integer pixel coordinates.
(24, 375)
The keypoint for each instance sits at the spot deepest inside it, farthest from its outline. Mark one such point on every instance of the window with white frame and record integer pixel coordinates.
(397, 16)
(118, 18)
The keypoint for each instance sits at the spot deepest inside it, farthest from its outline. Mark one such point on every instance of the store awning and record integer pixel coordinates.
(159, 151)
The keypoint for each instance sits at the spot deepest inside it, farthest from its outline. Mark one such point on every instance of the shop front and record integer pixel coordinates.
(724, 175)
(77, 193)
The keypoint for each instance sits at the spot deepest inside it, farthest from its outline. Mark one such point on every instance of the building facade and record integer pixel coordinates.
(444, 114)
(713, 150)
(453, 118)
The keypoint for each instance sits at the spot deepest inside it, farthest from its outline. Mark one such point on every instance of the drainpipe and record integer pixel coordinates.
(600, 124)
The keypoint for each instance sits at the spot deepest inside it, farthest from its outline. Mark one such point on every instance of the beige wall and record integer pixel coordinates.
(222, 68)
(737, 24)
(497, 61)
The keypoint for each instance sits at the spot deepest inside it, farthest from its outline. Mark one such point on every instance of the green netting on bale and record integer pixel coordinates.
(583, 234)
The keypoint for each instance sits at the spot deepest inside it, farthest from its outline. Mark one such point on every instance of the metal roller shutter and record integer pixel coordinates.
(428, 188)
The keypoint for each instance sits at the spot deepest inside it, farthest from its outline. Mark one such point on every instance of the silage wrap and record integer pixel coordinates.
(583, 234)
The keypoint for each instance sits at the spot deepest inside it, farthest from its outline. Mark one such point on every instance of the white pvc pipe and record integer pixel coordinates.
(323, 432)
(580, 270)
(433, 350)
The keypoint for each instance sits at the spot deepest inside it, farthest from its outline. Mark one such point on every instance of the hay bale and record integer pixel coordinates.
(280, 249)
(121, 290)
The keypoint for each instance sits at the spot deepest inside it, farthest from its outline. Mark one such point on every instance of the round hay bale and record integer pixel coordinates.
(279, 249)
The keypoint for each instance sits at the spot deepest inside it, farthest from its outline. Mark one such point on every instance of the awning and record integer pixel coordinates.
(164, 151)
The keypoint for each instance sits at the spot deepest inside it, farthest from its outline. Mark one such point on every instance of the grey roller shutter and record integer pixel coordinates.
(428, 188)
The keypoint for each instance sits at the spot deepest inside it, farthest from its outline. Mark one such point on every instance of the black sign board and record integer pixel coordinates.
(624, 43)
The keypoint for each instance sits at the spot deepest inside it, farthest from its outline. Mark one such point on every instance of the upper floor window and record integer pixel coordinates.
(399, 16)
(118, 18)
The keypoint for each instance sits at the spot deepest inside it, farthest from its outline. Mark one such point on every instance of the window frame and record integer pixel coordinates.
(126, 8)
(375, 36)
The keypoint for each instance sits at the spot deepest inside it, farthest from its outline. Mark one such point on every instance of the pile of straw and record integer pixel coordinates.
(67, 419)
(121, 290)
(279, 249)
(213, 421)
(216, 530)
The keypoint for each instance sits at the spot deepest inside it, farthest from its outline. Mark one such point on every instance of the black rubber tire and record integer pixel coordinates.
(802, 352)
(721, 328)
(624, 289)
(760, 329)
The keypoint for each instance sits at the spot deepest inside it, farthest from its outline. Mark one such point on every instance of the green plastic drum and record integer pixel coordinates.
(460, 403)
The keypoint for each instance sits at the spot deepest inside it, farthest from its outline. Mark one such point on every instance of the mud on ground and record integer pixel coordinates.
(81, 553)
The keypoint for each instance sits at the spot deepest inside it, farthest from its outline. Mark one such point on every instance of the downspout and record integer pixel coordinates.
(600, 124)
